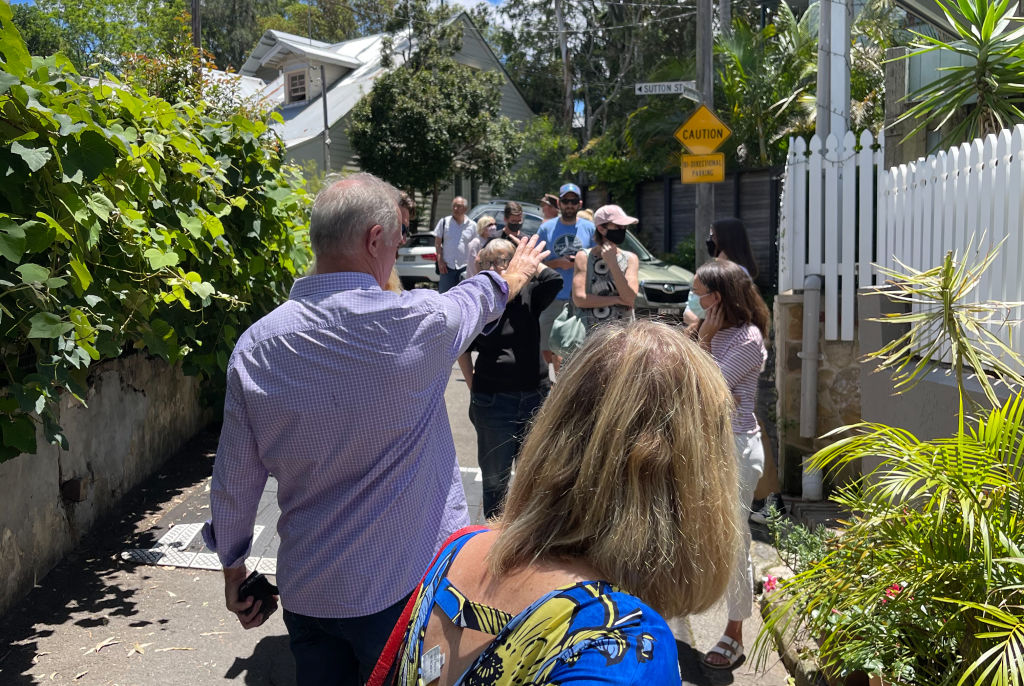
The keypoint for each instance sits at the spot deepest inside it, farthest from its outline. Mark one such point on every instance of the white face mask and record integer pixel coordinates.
(493, 231)
(693, 304)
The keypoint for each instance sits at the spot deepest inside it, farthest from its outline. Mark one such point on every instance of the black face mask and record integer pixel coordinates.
(513, 228)
(616, 236)
(712, 248)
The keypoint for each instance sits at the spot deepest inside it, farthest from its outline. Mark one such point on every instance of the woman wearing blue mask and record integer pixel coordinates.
(606, 278)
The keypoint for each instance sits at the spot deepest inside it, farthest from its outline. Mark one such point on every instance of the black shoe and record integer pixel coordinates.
(773, 501)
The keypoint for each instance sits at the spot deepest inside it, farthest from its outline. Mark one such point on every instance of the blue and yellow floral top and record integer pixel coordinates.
(587, 632)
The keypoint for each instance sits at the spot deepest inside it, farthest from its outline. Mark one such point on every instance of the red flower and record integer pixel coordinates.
(770, 583)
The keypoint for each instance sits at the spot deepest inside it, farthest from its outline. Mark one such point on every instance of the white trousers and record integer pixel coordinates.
(749, 465)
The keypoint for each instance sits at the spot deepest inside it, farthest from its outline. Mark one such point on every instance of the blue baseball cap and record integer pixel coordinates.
(569, 188)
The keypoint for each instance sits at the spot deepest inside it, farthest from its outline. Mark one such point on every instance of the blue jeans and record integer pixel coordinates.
(339, 651)
(450, 279)
(500, 420)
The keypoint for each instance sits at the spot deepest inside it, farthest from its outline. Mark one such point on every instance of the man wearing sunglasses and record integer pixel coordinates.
(565, 235)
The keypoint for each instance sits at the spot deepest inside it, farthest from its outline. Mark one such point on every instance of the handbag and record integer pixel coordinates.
(567, 332)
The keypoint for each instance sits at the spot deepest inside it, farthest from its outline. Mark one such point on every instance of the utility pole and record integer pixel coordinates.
(563, 43)
(197, 24)
(705, 212)
(327, 126)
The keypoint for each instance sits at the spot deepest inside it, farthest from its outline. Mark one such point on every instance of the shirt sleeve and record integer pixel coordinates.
(439, 229)
(470, 305)
(238, 480)
(739, 359)
(653, 659)
(549, 284)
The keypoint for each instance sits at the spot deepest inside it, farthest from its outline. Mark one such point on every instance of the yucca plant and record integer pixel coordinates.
(983, 94)
(924, 587)
(945, 319)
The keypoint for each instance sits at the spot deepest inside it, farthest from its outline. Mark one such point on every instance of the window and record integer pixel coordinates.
(297, 86)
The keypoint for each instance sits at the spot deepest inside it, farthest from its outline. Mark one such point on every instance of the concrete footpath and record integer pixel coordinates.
(140, 602)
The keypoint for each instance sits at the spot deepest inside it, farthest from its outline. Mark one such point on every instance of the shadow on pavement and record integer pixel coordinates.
(80, 590)
(271, 663)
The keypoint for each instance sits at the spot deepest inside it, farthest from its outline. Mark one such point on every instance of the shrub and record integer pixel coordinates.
(126, 223)
(924, 586)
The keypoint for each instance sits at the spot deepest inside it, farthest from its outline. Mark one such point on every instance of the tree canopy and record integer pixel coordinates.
(432, 117)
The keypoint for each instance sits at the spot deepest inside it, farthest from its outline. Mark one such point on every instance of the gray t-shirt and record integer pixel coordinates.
(600, 282)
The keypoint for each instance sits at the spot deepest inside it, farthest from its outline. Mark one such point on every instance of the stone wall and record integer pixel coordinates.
(838, 396)
(140, 412)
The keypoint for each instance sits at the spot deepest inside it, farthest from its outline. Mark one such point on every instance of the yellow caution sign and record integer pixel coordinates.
(703, 132)
(703, 168)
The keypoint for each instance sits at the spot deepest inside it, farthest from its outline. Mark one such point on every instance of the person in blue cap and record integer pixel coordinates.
(565, 236)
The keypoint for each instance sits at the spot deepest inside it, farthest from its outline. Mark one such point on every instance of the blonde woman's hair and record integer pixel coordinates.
(484, 223)
(586, 214)
(630, 466)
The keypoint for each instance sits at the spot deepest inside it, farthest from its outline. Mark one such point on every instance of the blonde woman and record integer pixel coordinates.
(486, 229)
(620, 513)
(606, 279)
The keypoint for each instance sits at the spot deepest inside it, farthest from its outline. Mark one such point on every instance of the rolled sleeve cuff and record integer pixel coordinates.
(210, 539)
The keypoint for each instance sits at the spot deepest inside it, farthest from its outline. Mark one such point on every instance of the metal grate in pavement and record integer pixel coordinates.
(181, 546)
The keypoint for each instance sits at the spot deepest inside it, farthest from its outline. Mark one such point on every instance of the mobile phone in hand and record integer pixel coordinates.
(260, 588)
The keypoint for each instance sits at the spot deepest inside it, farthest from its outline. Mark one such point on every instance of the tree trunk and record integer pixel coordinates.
(435, 191)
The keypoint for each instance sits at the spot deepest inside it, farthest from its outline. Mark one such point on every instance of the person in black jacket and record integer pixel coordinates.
(509, 381)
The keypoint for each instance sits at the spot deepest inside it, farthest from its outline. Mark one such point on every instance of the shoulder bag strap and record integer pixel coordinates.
(387, 656)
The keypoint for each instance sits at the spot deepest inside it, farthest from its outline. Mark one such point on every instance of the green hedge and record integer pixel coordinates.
(128, 223)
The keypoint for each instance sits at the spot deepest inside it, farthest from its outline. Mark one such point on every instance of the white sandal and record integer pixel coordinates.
(733, 653)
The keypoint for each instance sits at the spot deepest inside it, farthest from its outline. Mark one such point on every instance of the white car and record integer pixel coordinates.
(416, 260)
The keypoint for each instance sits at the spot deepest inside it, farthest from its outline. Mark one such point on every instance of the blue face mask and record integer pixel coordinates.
(693, 304)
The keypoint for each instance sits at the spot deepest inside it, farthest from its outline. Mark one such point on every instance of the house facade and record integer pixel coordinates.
(296, 69)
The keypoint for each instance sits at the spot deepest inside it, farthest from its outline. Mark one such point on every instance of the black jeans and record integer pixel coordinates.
(342, 651)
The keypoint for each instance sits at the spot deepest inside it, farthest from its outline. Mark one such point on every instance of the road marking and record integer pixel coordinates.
(472, 470)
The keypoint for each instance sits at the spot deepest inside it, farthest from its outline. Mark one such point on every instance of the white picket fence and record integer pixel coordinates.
(843, 213)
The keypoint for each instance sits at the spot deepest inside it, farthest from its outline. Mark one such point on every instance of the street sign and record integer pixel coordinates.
(703, 132)
(687, 89)
(703, 168)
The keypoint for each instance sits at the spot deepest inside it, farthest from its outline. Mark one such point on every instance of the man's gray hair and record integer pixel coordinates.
(344, 211)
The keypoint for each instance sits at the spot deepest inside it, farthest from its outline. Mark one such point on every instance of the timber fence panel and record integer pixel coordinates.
(833, 198)
(848, 236)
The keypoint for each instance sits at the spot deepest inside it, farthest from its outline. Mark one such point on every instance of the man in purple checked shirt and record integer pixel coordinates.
(339, 393)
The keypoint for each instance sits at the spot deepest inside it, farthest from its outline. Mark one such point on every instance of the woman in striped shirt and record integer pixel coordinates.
(733, 331)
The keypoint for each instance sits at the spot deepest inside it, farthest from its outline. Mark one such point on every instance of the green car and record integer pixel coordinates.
(664, 287)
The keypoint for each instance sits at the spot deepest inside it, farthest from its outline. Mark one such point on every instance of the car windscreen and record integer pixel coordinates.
(420, 240)
(633, 245)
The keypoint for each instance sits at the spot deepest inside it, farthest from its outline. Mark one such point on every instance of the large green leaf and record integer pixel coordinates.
(12, 240)
(32, 273)
(19, 432)
(48, 325)
(35, 158)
